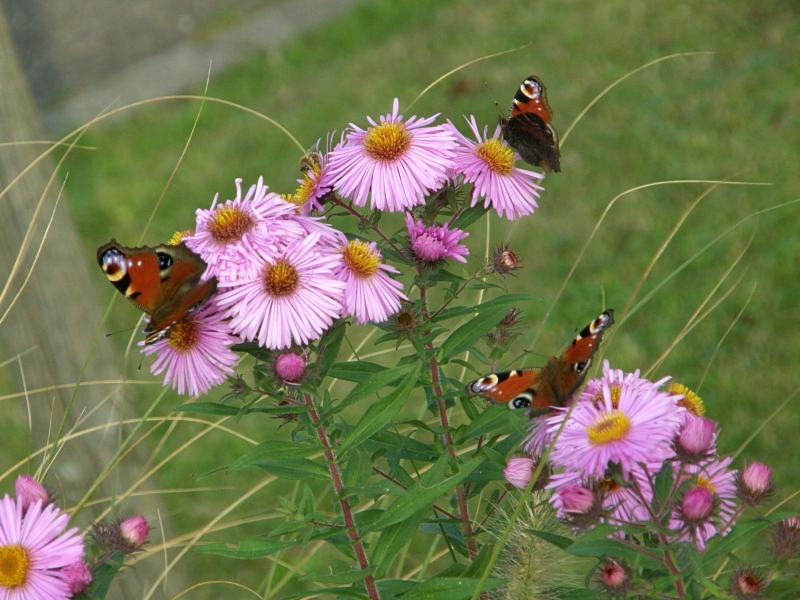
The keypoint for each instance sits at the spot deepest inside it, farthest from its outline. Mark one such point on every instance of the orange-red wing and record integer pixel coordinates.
(531, 98)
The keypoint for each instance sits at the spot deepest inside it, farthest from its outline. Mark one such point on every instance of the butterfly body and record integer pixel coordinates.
(549, 386)
(164, 281)
(527, 129)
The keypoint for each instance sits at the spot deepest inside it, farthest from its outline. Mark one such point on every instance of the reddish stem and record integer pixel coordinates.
(333, 468)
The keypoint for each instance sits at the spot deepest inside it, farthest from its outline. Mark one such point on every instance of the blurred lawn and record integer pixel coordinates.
(732, 114)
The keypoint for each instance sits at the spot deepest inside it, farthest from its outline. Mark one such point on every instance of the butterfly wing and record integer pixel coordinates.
(528, 129)
(164, 282)
(554, 383)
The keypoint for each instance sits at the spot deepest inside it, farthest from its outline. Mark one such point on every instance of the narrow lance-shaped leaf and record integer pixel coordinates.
(381, 413)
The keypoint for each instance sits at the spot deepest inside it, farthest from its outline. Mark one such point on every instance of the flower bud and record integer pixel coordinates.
(697, 505)
(290, 367)
(786, 539)
(748, 583)
(754, 484)
(696, 439)
(576, 499)
(29, 491)
(518, 471)
(614, 577)
(77, 576)
(134, 531)
(503, 261)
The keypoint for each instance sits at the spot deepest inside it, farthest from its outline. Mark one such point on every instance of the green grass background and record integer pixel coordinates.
(731, 114)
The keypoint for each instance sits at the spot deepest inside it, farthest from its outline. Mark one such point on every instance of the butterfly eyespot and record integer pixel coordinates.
(164, 260)
(582, 366)
(522, 401)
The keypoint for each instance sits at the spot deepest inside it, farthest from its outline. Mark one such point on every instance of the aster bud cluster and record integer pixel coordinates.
(640, 459)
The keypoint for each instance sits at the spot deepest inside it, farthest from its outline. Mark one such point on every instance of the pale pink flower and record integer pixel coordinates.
(290, 296)
(196, 355)
(78, 577)
(490, 166)
(35, 548)
(134, 531)
(434, 243)
(290, 367)
(370, 295)
(394, 162)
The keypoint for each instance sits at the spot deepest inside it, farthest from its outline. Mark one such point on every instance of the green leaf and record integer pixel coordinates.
(274, 450)
(374, 382)
(425, 493)
(356, 370)
(380, 413)
(504, 302)
(488, 316)
(559, 541)
(359, 469)
(392, 540)
(450, 588)
(605, 547)
(738, 537)
(295, 469)
(490, 420)
(331, 342)
(341, 577)
(468, 217)
(247, 549)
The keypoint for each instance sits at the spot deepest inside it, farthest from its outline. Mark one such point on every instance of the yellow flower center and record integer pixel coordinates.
(610, 427)
(498, 156)
(14, 565)
(616, 390)
(281, 279)
(179, 236)
(361, 259)
(387, 142)
(183, 336)
(690, 401)
(704, 482)
(230, 224)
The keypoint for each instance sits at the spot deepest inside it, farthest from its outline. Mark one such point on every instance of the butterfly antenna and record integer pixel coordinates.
(127, 329)
(141, 360)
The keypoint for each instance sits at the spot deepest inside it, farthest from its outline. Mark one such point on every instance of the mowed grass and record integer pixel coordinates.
(730, 114)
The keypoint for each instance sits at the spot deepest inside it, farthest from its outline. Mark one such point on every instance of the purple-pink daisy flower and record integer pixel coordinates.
(35, 548)
(227, 233)
(289, 295)
(394, 162)
(490, 166)
(196, 355)
(370, 294)
(628, 423)
(314, 185)
(437, 242)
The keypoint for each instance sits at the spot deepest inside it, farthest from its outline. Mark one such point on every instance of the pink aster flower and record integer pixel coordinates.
(395, 162)
(629, 423)
(435, 243)
(490, 166)
(134, 531)
(291, 295)
(34, 550)
(370, 294)
(196, 356)
(227, 234)
(314, 185)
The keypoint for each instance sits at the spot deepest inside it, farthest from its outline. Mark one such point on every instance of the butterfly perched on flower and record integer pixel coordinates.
(165, 282)
(542, 388)
(527, 128)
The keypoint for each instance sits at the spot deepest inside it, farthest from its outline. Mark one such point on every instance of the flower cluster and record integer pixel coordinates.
(284, 276)
(622, 436)
(40, 559)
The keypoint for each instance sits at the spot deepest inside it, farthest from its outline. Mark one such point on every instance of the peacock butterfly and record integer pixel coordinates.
(551, 385)
(527, 128)
(164, 282)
